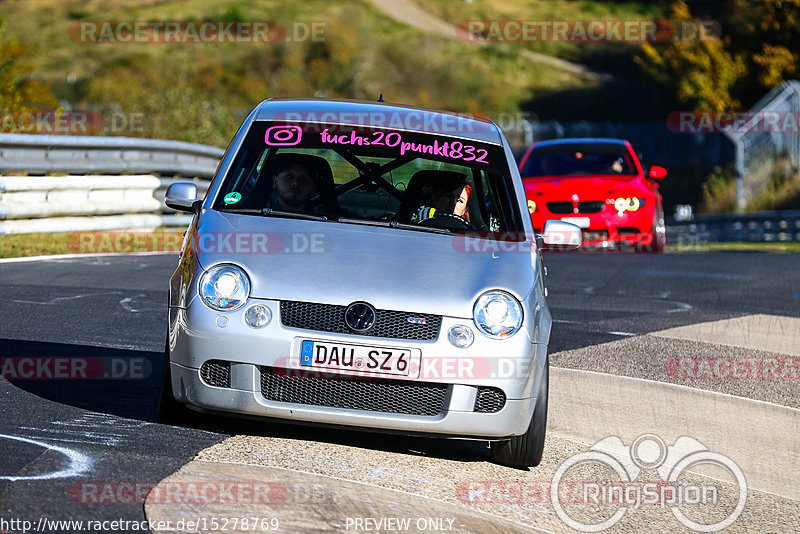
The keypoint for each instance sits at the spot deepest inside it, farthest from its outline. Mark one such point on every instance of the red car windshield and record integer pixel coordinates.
(579, 160)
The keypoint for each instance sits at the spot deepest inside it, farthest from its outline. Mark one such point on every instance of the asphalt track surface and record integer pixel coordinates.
(59, 434)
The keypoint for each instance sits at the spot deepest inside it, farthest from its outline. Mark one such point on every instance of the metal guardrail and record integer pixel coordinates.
(767, 226)
(122, 195)
(43, 154)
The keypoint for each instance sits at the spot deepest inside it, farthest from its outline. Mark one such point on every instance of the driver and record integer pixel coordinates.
(450, 196)
(616, 166)
(293, 185)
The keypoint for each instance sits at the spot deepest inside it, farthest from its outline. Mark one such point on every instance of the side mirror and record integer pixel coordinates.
(657, 173)
(561, 236)
(182, 196)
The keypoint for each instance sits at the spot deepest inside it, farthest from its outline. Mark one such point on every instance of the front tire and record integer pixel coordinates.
(170, 410)
(659, 241)
(526, 450)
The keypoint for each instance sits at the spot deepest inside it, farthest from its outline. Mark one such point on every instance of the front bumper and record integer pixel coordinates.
(606, 230)
(513, 365)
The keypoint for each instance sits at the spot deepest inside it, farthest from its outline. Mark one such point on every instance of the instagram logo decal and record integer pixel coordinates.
(283, 135)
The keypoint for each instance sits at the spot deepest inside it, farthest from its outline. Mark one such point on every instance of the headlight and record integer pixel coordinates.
(224, 287)
(531, 206)
(497, 314)
(628, 204)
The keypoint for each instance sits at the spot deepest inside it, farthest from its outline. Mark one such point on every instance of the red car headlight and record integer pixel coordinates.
(623, 204)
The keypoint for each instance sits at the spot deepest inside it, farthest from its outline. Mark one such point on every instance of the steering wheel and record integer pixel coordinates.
(450, 221)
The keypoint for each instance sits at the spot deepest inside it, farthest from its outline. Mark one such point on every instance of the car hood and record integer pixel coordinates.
(587, 187)
(337, 263)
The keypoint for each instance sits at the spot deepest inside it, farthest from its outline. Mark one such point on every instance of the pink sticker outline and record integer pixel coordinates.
(278, 141)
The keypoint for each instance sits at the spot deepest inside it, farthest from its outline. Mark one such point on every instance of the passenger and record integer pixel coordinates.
(293, 185)
(450, 196)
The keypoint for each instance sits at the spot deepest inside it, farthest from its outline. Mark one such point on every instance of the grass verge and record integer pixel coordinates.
(792, 247)
(20, 245)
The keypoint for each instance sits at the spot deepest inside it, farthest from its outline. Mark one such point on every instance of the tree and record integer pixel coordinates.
(19, 92)
(698, 74)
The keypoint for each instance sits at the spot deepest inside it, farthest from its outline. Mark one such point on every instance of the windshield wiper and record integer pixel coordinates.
(395, 224)
(269, 212)
(254, 211)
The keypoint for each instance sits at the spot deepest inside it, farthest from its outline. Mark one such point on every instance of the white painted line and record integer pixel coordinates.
(74, 256)
(622, 333)
(79, 463)
(125, 303)
(769, 333)
(680, 386)
(59, 299)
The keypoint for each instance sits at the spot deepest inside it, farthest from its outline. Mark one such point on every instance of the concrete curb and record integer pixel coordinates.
(296, 501)
(762, 438)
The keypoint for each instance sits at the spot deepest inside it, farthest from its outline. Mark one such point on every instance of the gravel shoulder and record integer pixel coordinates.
(707, 366)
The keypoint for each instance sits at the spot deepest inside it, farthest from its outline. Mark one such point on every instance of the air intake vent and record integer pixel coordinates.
(489, 400)
(216, 373)
(388, 396)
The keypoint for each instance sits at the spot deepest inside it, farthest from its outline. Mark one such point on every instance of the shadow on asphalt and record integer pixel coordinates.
(102, 379)
(126, 383)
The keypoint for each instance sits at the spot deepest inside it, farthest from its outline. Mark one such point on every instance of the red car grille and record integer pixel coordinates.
(560, 207)
(592, 206)
(563, 208)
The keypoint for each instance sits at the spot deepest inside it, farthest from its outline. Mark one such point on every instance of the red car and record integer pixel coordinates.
(599, 185)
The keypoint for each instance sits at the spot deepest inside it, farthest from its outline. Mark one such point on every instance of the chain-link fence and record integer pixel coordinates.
(767, 141)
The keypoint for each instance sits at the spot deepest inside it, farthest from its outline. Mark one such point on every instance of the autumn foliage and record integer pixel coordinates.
(759, 46)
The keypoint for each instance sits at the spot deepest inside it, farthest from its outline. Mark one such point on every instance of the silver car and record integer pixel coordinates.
(365, 265)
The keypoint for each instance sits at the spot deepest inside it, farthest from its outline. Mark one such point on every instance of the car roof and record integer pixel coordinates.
(391, 116)
(583, 140)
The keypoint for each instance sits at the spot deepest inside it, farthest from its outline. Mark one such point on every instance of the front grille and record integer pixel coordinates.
(591, 206)
(489, 400)
(560, 207)
(388, 396)
(330, 318)
(216, 373)
(595, 235)
(627, 230)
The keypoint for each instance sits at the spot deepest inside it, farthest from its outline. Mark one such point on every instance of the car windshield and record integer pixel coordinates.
(579, 160)
(356, 175)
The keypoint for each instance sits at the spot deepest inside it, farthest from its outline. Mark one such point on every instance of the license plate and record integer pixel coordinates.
(583, 222)
(359, 359)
